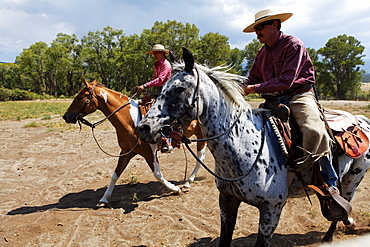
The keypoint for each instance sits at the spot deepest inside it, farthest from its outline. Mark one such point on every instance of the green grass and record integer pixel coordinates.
(47, 113)
(20, 110)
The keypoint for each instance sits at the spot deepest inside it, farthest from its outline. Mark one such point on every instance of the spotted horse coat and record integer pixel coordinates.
(247, 149)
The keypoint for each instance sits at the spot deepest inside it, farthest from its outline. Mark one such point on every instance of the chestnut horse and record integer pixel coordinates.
(95, 97)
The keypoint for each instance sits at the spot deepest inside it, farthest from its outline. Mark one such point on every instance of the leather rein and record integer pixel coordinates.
(82, 120)
(168, 129)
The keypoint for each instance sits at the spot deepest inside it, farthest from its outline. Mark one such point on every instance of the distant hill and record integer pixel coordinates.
(366, 66)
(366, 77)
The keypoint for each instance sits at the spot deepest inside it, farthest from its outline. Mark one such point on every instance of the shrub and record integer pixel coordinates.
(18, 94)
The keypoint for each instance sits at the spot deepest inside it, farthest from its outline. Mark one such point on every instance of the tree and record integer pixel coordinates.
(250, 51)
(31, 62)
(236, 61)
(63, 65)
(100, 54)
(323, 78)
(342, 57)
(172, 34)
(212, 49)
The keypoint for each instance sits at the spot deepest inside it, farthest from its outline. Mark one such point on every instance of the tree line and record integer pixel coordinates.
(120, 62)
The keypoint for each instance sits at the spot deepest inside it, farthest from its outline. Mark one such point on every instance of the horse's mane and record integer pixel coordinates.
(228, 83)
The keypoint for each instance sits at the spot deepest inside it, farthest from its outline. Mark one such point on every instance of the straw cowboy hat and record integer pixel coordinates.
(158, 47)
(266, 15)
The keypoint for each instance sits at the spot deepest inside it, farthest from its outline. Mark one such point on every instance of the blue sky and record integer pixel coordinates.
(25, 22)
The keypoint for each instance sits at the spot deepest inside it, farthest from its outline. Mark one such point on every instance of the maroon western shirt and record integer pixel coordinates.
(286, 64)
(162, 72)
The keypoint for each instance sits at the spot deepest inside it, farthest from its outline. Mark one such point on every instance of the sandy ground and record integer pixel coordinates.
(50, 181)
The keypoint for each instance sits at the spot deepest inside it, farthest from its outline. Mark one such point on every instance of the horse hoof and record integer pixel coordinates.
(350, 224)
(177, 191)
(185, 189)
(101, 205)
(186, 185)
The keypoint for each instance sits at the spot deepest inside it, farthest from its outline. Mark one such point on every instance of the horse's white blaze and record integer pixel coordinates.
(158, 174)
(134, 111)
(109, 190)
(104, 96)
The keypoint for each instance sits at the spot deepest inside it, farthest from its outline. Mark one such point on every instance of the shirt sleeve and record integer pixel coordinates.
(161, 75)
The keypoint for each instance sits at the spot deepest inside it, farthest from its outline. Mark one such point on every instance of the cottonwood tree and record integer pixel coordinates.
(342, 57)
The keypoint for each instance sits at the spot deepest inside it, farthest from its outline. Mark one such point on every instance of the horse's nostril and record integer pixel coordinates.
(144, 129)
(64, 117)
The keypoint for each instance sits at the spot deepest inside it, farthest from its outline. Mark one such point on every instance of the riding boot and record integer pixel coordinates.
(338, 206)
(166, 145)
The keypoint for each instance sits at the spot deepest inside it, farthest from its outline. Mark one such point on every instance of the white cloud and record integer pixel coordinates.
(24, 22)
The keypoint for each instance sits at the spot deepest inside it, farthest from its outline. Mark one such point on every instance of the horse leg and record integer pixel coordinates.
(330, 233)
(201, 150)
(269, 219)
(122, 164)
(158, 174)
(228, 211)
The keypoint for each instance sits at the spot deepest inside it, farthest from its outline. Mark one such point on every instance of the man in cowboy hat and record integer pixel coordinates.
(162, 72)
(283, 69)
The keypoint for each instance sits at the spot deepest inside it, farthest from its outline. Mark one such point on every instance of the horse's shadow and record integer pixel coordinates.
(288, 240)
(124, 196)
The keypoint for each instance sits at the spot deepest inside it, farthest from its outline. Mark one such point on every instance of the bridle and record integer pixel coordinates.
(168, 129)
(82, 120)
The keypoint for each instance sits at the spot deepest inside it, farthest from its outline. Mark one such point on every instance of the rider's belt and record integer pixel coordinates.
(301, 89)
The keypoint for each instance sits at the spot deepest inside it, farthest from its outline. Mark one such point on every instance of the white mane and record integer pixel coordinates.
(228, 83)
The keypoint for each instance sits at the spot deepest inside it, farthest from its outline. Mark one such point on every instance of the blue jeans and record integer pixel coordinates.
(327, 171)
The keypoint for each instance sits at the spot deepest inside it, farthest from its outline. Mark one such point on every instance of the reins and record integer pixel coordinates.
(80, 120)
(187, 141)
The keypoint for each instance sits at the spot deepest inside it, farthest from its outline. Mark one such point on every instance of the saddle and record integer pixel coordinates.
(345, 129)
(145, 104)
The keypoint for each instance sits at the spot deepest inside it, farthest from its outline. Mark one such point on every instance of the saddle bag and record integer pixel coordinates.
(346, 131)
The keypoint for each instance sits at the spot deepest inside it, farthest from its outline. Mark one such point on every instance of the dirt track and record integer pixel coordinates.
(51, 180)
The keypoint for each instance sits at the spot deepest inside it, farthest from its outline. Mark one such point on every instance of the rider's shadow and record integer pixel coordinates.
(124, 196)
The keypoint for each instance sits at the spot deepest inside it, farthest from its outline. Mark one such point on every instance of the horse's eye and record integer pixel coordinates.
(179, 90)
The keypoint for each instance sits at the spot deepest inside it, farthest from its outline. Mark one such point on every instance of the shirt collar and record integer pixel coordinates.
(277, 41)
(160, 61)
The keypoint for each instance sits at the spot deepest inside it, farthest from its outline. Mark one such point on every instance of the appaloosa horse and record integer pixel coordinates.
(243, 149)
(94, 97)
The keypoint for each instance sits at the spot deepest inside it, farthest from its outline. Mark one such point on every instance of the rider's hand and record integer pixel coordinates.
(248, 89)
(139, 89)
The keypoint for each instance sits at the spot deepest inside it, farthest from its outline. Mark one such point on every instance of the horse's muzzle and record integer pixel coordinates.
(147, 135)
(70, 118)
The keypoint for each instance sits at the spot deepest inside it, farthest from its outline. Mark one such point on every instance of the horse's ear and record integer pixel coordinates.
(85, 82)
(94, 82)
(173, 59)
(189, 60)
